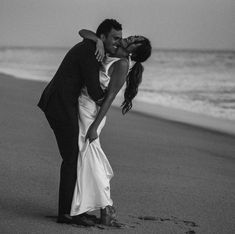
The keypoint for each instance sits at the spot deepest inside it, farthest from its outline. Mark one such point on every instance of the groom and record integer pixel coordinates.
(59, 102)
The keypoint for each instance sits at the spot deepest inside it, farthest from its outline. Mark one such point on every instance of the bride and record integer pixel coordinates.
(92, 189)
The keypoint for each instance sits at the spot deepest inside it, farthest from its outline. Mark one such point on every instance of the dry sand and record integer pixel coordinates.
(181, 175)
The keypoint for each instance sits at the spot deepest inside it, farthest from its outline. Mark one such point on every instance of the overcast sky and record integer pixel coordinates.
(200, 24)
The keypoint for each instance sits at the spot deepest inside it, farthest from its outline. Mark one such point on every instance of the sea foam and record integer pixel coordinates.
(196, 81)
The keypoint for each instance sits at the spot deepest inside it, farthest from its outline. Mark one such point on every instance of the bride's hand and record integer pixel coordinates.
(99, 50)
(91, 134)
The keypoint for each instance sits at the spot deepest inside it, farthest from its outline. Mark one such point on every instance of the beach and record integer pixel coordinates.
(171, 175)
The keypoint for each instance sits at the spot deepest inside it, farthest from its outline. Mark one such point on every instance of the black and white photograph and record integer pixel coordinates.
(117, 116)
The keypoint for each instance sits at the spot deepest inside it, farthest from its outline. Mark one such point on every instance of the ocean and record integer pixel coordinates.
(196, 81)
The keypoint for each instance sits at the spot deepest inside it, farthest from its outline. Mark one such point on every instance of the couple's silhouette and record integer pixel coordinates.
(75, 104)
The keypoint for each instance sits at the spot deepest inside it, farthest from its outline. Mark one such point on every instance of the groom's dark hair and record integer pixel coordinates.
(106, 26)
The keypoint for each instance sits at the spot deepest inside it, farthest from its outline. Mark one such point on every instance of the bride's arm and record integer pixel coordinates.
(117, 80)
(87, 34)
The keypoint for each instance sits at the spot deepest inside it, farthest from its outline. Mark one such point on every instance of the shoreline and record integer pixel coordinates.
(182, 116)
(168, 113)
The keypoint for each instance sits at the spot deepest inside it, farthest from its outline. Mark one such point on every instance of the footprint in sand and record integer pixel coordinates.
(185, 224)
(190, 232)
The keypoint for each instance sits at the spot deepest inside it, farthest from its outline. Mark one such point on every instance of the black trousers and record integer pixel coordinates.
(66, 134)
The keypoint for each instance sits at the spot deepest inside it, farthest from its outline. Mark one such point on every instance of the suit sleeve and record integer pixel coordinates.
(90, 70)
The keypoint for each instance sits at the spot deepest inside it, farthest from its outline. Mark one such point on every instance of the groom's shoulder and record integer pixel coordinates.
(83, 49)
(84, 45)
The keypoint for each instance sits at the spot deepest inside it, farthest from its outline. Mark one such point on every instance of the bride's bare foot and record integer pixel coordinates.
(107, 215)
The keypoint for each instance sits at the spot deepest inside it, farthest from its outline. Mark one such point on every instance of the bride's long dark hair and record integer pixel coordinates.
(134, 78)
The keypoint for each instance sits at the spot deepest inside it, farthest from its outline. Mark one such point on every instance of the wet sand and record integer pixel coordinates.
(170, 177)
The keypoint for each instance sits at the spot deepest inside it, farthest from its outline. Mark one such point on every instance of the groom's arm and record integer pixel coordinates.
(90, 70)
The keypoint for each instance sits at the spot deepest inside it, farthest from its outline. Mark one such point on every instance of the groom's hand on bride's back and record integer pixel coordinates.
(91, 134)
(101, 100)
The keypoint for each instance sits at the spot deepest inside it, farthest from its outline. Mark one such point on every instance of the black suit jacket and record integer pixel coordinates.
(79, 68)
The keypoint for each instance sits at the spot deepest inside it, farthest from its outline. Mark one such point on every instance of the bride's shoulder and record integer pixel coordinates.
(121, 65)
(122, 62)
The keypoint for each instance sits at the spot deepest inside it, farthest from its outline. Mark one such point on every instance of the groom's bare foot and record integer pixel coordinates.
(92, 217)
(83, 220)
(79, 220)
(64, 219)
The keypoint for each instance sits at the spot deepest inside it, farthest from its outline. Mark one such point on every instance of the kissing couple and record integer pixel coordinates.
(75, 103)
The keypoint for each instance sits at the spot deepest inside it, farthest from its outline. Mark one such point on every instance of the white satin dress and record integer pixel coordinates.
(92, 189)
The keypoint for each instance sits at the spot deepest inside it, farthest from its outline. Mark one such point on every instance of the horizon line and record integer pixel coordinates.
(154, 48)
